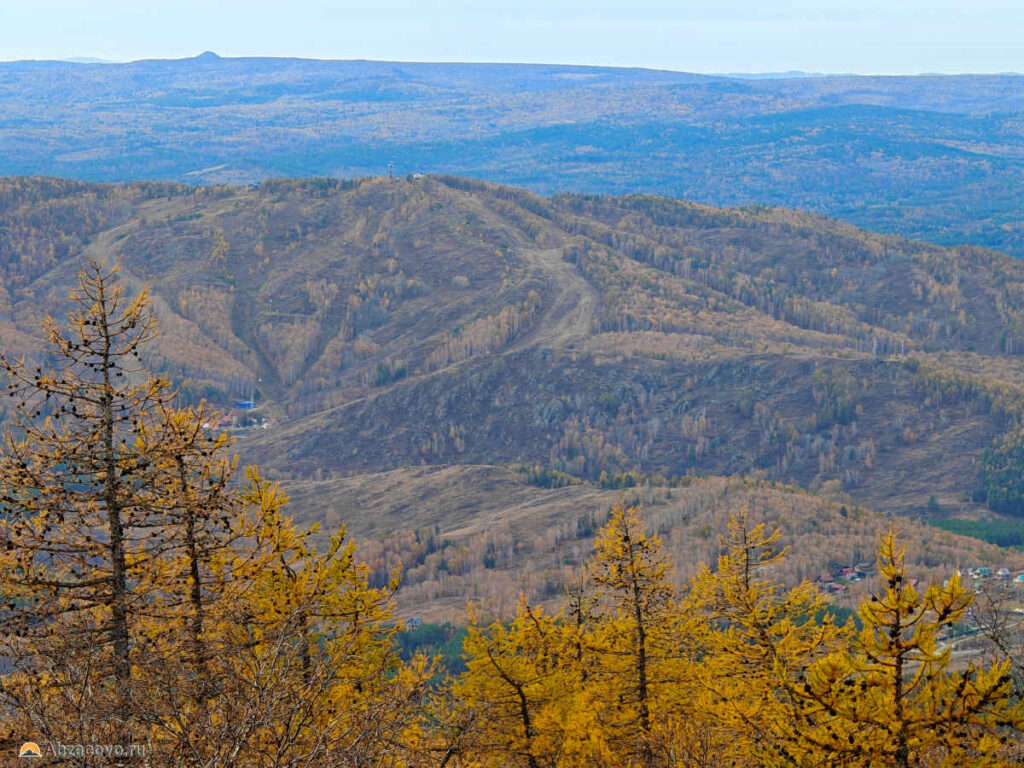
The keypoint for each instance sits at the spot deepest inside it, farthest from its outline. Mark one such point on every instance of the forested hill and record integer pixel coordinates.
(389, 323)
(933, 157)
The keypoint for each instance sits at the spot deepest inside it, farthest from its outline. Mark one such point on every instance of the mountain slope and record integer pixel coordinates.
(391, 323)
(483, 533)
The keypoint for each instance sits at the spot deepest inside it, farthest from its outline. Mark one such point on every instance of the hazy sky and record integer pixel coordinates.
(869, 36)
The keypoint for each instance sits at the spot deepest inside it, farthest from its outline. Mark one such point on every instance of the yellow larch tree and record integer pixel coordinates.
(76, 534)
(635, 688)
(741, 671)
(149, 599)
(893, 696)
(299, 651)
(513, 698)
(759, 639)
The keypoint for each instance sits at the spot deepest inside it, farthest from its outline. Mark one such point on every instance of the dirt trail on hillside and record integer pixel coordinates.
(572, 317)
(101, 245)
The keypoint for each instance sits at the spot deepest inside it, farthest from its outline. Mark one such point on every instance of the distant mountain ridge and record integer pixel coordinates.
(794, 73)
(931, 157)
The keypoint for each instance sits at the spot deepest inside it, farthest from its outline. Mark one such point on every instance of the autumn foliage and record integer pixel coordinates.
(152, 596)
(737, 670)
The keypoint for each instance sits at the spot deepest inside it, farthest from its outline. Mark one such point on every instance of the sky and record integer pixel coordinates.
(868, 37)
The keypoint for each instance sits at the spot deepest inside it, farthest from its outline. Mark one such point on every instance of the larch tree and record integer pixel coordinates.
(204, 517)
(893, 697)
(149, 598)
(299, 666)
(635, 638)
(514, 696)
(741, 671)
(759, 639)
(77, 533)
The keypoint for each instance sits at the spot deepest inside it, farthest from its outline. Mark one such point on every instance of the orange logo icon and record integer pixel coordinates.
(30, 749)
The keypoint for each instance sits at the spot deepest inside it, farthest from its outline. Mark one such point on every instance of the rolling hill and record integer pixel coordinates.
(930, 157)
(446, 359)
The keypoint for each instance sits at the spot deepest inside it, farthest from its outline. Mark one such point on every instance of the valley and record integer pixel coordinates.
(603, 345)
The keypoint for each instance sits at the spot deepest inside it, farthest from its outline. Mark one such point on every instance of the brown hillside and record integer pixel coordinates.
(482, 533)
(393, 323)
